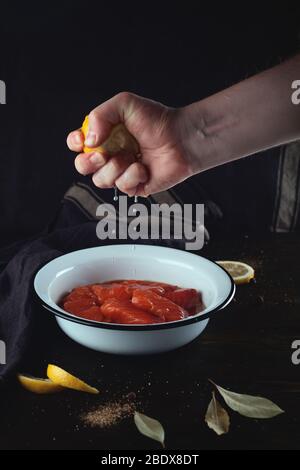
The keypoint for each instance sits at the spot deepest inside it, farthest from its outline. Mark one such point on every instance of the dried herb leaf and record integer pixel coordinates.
(150, 427)
(216, 417)
(248, 405)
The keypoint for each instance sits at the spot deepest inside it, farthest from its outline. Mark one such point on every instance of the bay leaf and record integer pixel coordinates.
(249, 405)
(149, 427)
(216, 417)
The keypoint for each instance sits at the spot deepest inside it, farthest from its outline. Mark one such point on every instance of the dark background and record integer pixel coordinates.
(58, 63)
(61, 61)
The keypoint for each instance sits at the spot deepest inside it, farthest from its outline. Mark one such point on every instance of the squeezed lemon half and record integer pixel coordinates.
(119, 140)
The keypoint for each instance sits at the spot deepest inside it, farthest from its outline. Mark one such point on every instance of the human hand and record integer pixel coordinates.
(159, 131)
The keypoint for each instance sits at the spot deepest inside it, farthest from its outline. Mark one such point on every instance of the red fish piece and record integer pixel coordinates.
(109, 291)
(117, 311)
(92, 313)
(186, 298)
(157, 305)
(78, 306)
(79, 293)
(120, 292)
(133, 301)
(158, 287)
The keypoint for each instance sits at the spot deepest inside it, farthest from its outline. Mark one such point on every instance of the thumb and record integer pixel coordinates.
(105, 116)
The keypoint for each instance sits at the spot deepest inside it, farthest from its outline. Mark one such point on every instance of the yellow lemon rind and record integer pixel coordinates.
(67, 380)
(38, 385)
(119, 140)
(240, 279)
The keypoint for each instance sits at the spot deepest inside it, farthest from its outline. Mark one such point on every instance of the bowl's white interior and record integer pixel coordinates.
(142, 262)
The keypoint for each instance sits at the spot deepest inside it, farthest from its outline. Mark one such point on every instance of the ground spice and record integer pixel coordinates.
(108, 415)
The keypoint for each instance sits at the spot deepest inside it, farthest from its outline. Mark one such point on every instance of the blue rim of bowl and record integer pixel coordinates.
(156, 326)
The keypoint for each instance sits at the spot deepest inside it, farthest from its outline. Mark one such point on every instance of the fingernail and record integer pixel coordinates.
(91, 139)
(97, 159)
(77, 139)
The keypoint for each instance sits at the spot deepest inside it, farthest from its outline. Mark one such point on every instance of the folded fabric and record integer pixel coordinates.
(18, 304)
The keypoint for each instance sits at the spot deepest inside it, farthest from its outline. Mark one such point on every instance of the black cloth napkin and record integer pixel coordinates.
(18, 304)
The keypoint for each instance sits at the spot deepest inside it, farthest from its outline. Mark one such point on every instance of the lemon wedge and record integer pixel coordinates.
(118, 140)
(37, 385)
(240, 272)
(62, 377)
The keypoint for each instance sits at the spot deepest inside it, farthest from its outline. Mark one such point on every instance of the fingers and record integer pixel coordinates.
(101, 120)
(75, 141)
(106, 176)
(88, 163)
(121, 171)
(105, 116)
(132, 180)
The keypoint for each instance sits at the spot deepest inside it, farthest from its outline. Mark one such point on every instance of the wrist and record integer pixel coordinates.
(210, 131)
(206, 127)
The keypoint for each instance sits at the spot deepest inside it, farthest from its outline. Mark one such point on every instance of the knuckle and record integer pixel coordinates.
(70, 139)
(68, 142)
(115, 165)
(121, 186)
(96, 180)
(101, 181)
(107, 182)
(124, 185)
(79, 165)
(136, 167)
(124, 96)
(93, 115)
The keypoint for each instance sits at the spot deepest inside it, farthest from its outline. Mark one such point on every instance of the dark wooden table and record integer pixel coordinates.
(246, 348)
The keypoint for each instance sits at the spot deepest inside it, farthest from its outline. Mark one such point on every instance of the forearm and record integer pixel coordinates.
(251, 116)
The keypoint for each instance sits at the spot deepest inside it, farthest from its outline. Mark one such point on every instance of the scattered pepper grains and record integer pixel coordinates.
(111, 413)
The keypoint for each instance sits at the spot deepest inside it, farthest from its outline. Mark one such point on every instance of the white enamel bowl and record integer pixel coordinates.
(144, 262)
